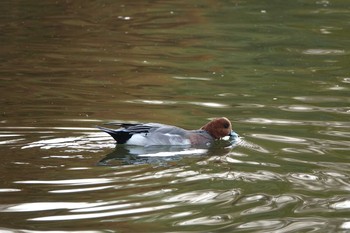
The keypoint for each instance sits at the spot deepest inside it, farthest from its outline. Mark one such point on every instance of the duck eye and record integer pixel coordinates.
(226, 125)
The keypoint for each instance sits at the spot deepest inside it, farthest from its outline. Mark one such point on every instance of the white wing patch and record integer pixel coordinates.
(155, 138)
(137, 140)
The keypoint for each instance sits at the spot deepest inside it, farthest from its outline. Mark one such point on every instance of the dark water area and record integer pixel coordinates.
(279, 70)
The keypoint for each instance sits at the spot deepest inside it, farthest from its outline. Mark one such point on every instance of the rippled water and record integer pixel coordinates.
(277, 69)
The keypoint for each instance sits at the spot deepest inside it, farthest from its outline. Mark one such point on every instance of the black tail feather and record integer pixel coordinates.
(124, 125)
(119, 135)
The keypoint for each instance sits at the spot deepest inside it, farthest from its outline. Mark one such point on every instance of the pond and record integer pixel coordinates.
(279, 70)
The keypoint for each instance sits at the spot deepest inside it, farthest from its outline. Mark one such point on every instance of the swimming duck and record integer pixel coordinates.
(150, 134)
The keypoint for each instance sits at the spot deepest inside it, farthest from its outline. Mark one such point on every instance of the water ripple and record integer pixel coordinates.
(308, 108)
(262, 224)
(326, 205)
(324, 52)
(322, 99)
(192, 78)
(271, 121)
(73, 182)
(319, 181)
(280, 138)
(41, 206)
(48, 139)
(166, 102)
(244, 176)
(89, 141)
(83, 189)
(102, 214)
(208, 220)
(335, 133)
(200, 197)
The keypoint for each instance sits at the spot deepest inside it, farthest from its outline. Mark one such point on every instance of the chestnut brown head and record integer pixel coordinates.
(218, 128)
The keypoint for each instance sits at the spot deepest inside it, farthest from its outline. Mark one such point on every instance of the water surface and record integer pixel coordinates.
(277, 69)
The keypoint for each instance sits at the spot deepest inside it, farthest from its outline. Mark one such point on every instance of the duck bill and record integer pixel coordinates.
(233, 135)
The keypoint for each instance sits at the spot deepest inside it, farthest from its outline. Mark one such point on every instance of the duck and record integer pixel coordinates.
(151, 134)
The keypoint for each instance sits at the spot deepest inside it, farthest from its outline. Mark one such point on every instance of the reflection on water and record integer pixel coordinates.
(162, 102)
(287, 122)
(278, 71)
(128, 211)
(156, 155)
(84, 141)
(177, 184)
(324, 51)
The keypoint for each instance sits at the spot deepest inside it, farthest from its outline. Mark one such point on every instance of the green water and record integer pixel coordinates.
(279, 70)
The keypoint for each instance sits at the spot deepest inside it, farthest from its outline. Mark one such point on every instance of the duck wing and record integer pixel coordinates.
(127, 130)
(138, 127)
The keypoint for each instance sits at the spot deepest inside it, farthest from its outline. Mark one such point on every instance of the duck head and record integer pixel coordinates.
(218, 127)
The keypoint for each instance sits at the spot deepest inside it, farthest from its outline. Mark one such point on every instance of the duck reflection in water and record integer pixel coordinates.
(163, 155)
